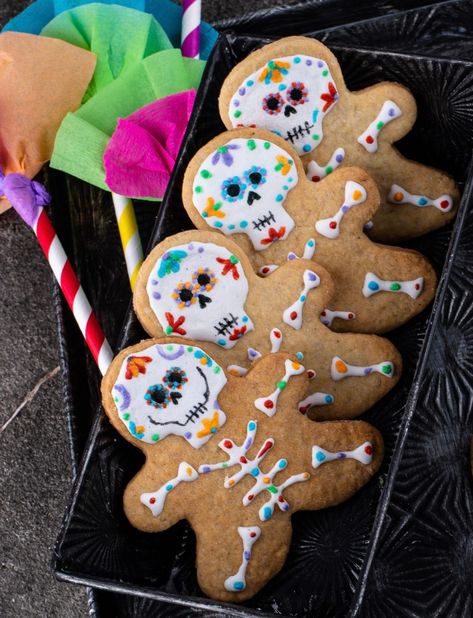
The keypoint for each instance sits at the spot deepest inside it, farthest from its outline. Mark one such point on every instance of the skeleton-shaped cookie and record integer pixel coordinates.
(201, 286)
(249, 471)
(250, 184)
(295, 88)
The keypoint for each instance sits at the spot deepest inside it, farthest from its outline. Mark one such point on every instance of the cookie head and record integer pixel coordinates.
(240, 188)
(290, 96)
(198, 291)
(170, 389)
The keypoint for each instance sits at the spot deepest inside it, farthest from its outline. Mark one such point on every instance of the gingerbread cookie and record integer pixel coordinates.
(201, 286)
(295, 88)
(250, 184)
(237, 474)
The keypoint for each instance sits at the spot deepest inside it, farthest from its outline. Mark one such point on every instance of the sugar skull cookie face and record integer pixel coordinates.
(241, 188)
(198, 291)
(289, 96)
(170, 389)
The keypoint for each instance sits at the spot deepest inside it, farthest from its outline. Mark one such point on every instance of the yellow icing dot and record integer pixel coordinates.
(295, 366)
(356, 195)
(189, 471)
(233, 372)
(266, 480)
(306, 475)
(398, 196)
(140, 429)
(204, 360)
(231, 483)
(341, 367)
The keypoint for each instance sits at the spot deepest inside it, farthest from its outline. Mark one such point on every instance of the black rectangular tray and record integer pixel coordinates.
(98, 547)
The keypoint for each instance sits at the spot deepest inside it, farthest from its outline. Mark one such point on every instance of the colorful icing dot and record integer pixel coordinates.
(320, 64)
(231, 226)
(308, 62)
(328, 399)
(244, 318)
(217, 369)
(387, 369)
(239, 585)
(237, 114)
(218, 224)
(266, 512)
(152, 500)
(369, 139)
(233, 259)
(252, 535)
(251, 425)
(281, 385)
(236, 103)
(169, 487)
(368, 449)
(302, 298)
(380, 125)
(320, 456)
(372, 285)
(339, 158)
(227, 444)
(332, 225)
(282, 87)
(297, 59)
(197, 189)
(423, 201)
(316, 137)
(126, 416)
(357, 195)
(444, 204)
(155, 437)
(282, 464)
(398, 196)
(206, 174)
(395, 287)
(243, 224)
(329, 169)
(325, 73)
(249, 83)
(255, 471)
(189, 349)
(306, 148)
(251, 144)
(341, 367)
(268, 404)
(267, 145)
(242, 91)
(293, 315)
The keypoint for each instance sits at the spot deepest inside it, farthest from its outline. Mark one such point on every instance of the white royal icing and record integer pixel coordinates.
(373, 284)
(316, 172)
(268, 404)
(202, 288)
(316, 399)
(398, 195)
(355, 194)
(170, 389)
(290, 96)
(308, 254)
(340, 369)
(249, 535)
(363, 454)
(267, 270)
(328, 316)
(369, 138)
(156, 499)
(293, 314)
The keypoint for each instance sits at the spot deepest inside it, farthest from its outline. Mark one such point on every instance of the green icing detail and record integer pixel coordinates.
(233, 259)
(224, 465)
(329, 169)
(386, 369)
(272, 489)
(380, 125)
(168, 330)
(267, 145)
(198, 189)
(251, 144)
(237, 114)
(325, 72)
(126, 416)
(217, 369)
(115, 399)
(281, 385)
(190, 348)
(316, 137)
(206, 174)
(222, 149)
(170, 347)
(395, 287)
(155, 437)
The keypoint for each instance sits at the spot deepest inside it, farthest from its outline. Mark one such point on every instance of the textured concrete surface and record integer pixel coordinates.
(35, 473)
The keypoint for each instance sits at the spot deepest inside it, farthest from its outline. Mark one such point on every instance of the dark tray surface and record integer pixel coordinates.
(112, 462)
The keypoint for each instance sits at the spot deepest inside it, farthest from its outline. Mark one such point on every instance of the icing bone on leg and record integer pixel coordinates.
(249, 535)
(398, 195)
(340, 369)
(373, 284)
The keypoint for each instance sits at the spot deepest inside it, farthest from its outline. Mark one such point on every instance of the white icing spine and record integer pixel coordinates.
(363, 454)
(373, 284)
(369, 138)
(355, 194)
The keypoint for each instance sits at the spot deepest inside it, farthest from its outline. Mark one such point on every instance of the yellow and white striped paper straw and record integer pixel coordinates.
(129, 235)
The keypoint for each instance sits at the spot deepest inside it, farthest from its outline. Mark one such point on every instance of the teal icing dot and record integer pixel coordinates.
(282, 87)
(267, 512)
(299, 355)
(320, 456)
(169, 487)
(372, 285)
(255, 472)
(199, 354)
(311, 243)
(306, 148)
(328, 399)
(282, 464)
(243, 224)
(286, 188)
(251, 425)
(423, 201)
(290, 179)
(245, 318)
(204, 214)
(250, 82)
(279, 198)
(218, 224)
(239, 585)
(302, 299)
(231, 226)
(221, 342)
(297, 59)
(213, 430)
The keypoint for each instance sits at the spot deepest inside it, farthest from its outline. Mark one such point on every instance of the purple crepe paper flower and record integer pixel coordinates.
(25, 195)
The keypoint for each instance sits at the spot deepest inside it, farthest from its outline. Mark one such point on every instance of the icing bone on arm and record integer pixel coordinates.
(295, 88)
(292, 216)
(204, 282)
(251, 473)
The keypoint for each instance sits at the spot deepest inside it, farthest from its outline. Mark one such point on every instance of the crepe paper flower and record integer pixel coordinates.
(223, 153)
(27, 195)
(170, 262)
(229, 266)
(143, 149)
(30, 116)
(84, 135)
(36, 16)
(284, 165)
(274, 235)
(329, 97)
(274, 72)
(119, 37)
(136, 365)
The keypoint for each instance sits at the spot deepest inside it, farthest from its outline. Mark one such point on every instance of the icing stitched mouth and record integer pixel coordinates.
(264, 221)
(193, 414)
(225, 326)
(298, 132)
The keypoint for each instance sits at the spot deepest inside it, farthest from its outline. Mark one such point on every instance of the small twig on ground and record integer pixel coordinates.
(30, 396)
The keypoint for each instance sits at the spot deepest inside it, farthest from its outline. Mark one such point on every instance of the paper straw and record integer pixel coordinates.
(190, 30)
(72, 290)
(129, 235)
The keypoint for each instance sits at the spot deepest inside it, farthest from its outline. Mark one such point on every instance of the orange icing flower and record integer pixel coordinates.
(209, 426)
(136, 365)
(213, 209)
(284, 165)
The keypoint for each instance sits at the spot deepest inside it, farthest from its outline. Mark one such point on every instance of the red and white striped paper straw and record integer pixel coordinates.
(72, 290)
(190, 30)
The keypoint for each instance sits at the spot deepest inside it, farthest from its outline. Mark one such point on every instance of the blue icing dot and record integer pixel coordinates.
(290, 179)
(213, 430)
(286, 188)
(221, 342)
(320, 456)
(302, 298)
(245, 318)
(306, 148)
(328, 399)
(243, 224)
(218, 224)
(239, 585)
(250, 82)
(199, 354)
(255, 472)
(311, 243)
(299, 355)
(204, 214)
(297, 59)
(372, 285)
(231, 226)
(279, 198)
(168, 487)
(282, 464)
(282, 87)
(267, 512)
(251, 425)
(423, 201)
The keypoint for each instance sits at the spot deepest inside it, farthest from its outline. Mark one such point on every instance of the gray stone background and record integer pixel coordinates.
(35, 471)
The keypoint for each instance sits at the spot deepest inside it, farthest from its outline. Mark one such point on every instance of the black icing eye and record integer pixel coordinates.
(233, 189)
(297, 93)
(272, 103)
(255, 178)
(203, 279)
(175, 378)
(186, 295)
(157, 396)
